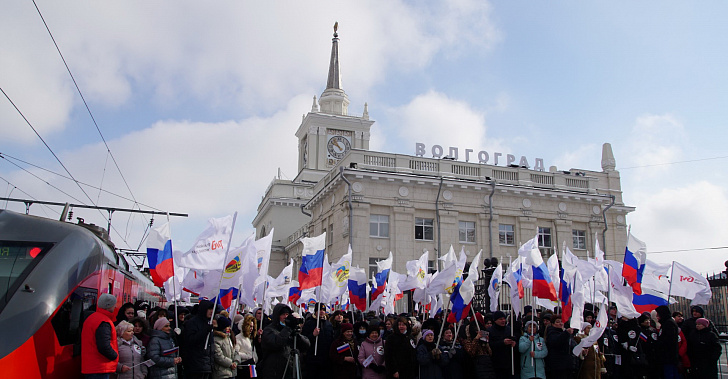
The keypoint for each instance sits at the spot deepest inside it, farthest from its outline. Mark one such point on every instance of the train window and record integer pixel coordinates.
(17, 259)
(68, 320)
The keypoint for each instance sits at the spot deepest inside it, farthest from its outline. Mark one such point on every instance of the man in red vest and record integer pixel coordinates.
(99, 349)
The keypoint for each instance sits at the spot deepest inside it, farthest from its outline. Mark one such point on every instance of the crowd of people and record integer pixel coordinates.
(138, 342)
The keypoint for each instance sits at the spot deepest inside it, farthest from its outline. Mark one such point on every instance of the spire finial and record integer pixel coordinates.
(336, 27)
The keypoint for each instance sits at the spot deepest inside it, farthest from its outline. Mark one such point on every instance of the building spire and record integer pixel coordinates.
(334, 100)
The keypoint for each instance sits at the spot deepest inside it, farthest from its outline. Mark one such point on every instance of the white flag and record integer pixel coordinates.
(208, 251)
(338, 277)
(595, 331)
(622, 292)
(416, 273)
(282, 284)
(262, 260)
(443, 282)
(691, 285)
(495, 286)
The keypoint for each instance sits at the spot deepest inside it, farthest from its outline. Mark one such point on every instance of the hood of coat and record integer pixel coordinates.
(203, 307)
(278, 310)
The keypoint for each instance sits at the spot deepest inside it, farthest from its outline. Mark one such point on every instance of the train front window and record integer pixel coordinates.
(16, 260)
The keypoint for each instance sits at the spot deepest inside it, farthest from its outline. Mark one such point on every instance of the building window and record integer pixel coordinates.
(424, 229)
(466, 231)
(506, 234)
(330, 235)
(579, 239)
(373, 268)
(544, 240)
(379, 226)
(431, 267)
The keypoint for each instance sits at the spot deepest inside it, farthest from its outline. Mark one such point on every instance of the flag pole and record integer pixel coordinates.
(444, 320)
(174, 287)
(669, 290)
(457, 331)
(219, 284)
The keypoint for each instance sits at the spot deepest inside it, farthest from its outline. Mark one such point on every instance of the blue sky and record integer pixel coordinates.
(199, 103)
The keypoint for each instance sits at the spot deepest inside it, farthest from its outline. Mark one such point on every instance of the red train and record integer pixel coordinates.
(51, 273)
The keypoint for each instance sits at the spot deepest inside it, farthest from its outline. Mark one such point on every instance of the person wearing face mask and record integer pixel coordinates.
(371, 355)
(162, 351)
(360, 332)
(533, 351)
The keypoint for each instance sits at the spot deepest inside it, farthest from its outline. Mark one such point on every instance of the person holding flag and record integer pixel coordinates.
(162, 351)
(318, 330)
(344, 353)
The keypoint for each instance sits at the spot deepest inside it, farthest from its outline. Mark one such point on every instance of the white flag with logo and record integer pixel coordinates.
(691, 285)
(494, 287)
(208, 251)
(262, 259)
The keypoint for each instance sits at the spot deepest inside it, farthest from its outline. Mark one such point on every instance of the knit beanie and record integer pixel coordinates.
(702, 321)
(426, 332)
(498, 314)
(346, 326)
(160, 323)
(107, 302)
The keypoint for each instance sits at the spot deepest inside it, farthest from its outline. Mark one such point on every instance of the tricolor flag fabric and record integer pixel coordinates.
(294, 293)
(171, 351)
(312, 262)
(381, 276)
(226, 297)
(252, 371)
(357, 284)
(159, 254)
(462, 297)
(342, 348)
(542, 286)
(565, 297)
(635, 257)
(648, 300)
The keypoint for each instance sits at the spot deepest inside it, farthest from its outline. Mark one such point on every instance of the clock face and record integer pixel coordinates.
(338, 146)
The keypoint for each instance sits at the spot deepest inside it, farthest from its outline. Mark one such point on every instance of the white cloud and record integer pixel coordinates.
(685, 217)
(245, 56)
(654, 141)
(434, 118)
(582, 157)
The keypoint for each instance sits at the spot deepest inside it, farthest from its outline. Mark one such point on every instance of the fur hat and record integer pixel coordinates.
(160, 323)
(106, 301)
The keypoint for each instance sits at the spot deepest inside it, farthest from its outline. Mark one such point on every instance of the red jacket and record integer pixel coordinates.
(682, 348)
(93, 362)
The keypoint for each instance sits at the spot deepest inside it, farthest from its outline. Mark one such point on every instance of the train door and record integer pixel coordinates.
(127, 294)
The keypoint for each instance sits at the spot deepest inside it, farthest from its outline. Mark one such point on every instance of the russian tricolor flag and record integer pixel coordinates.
(648, 300)
(159, 254)
(358, 288)
(635, 257)
(226, 297)
(381, 277)
(294, 293)
(312, 262)
(171, 351)
(542, 286)
(344, 347)
(565, 297)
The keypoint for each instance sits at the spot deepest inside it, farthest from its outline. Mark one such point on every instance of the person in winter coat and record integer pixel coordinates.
(372, 346)
(688, 326)
(99, 349)
(533, 351)
(126, 313)
(318, 364)
(361, 330)
(225, 358)
(196, 355)
(162, 351)
(451, 347)
(704, 350)
(476, 345)
(277, 343)
(131, 352)
(503, 344)
(648, 339)
(343, 353)
(667, 343)
(399, 352)
(592, 359)
(244, 345)
(430, 357)
(141, 330)
(559, 361)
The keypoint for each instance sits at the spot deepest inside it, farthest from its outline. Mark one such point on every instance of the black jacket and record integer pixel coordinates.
(276, 347)
(559, 357)
(196, 356)
(502, 353)
(400, 356)
(666, 347)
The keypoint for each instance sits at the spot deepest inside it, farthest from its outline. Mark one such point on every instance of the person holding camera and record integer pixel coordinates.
(277, 344)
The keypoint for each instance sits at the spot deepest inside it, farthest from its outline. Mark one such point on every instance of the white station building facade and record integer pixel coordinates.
(407, 204)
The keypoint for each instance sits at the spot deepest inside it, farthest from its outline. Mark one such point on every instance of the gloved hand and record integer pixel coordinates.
(451, 353)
